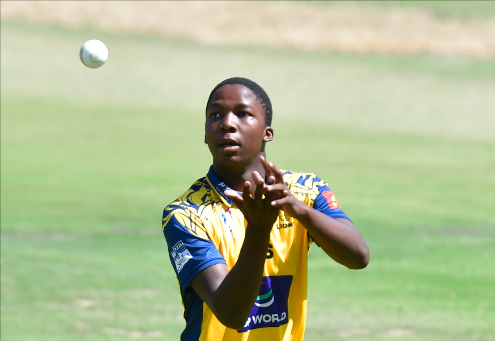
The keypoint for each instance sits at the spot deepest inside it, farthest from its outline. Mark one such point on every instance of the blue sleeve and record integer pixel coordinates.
(189, 253)
(326, 203)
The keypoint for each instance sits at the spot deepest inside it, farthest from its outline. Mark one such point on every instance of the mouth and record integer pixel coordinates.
(228, 144)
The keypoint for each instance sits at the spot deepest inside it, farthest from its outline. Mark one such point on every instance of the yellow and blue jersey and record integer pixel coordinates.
(203, 227)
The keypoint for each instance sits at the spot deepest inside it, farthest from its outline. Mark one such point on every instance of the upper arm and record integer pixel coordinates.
(190, 250)
(326, 202)
(207, 281)
(346, 222)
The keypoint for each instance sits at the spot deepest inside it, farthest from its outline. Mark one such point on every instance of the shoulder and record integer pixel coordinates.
(310, 189)
(302, 181)
(306, 187)
(192, 206)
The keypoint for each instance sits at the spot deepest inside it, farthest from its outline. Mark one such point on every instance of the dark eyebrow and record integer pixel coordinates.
(237, 107)
(243, 106)
(213, 105)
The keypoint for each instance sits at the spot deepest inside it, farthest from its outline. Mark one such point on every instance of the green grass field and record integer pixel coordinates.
(90, 158)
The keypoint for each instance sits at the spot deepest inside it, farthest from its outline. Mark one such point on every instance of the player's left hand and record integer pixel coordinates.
(280, 193)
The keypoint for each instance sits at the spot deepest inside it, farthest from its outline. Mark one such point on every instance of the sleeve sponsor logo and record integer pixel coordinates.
(181, 255)
(271, 306)
(331, 199)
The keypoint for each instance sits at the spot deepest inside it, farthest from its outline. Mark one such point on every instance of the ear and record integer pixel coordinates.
(205, 140)
(269, 134)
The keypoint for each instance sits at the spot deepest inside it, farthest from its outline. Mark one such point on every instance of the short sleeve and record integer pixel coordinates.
(189, 253)
(326, 202)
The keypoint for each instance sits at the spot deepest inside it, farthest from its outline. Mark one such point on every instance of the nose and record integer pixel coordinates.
(229, 122)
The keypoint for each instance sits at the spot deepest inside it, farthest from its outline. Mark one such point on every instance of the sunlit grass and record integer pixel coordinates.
(91, 157)
(460, 9)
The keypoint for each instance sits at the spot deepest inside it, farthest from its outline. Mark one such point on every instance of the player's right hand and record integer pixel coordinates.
(256, 205)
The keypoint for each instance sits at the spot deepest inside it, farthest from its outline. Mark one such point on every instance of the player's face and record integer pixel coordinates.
(235, 126)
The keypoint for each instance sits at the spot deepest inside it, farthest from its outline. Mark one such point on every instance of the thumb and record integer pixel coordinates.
(239, 201)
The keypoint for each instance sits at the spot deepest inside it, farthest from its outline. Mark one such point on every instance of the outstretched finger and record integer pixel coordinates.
(260, 186)
(236, 197)
(266, 166)
(279, 176)
(278, 188)
(246, 191)
(275, 172)
(270, 180)
(286, 199)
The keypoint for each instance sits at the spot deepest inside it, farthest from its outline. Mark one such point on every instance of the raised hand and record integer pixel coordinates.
(257, 205)
(282, 197)
(337, 237)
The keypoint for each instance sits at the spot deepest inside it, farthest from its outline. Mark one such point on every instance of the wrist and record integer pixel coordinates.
(258, 231)
(300, 210)
(255, 245)
(257, 237)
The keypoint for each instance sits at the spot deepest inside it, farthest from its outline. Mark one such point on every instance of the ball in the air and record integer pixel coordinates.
(93, 53)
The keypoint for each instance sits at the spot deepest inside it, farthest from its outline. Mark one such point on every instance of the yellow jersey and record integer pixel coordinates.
(204, 227)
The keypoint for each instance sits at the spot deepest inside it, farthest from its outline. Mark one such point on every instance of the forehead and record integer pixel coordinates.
(234, 95)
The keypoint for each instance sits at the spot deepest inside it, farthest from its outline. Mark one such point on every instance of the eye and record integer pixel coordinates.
(243, 114)
(214, 114)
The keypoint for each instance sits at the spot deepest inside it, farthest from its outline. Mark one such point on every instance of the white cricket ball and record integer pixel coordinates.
(93, 53)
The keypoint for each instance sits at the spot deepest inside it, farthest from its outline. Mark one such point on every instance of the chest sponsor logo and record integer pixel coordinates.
(271, 306)
(284, 225)
(283, 222)
(180, 254)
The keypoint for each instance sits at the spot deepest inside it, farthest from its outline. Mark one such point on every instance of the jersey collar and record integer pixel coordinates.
(219, 187)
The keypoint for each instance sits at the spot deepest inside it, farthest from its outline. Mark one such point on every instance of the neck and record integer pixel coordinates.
(235, 175)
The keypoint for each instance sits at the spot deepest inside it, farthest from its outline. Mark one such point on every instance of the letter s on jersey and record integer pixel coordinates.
(269, 252)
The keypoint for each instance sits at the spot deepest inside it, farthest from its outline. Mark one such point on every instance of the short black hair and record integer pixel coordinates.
(257, 90)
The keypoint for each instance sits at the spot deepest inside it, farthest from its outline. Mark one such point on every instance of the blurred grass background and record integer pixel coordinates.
(463, 9)
(90, 158)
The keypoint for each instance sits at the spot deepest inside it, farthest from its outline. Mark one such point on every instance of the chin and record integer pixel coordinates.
(230, 161)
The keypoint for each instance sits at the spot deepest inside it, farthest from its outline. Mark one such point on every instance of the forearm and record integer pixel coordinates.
(234, 298)
(339, 239)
